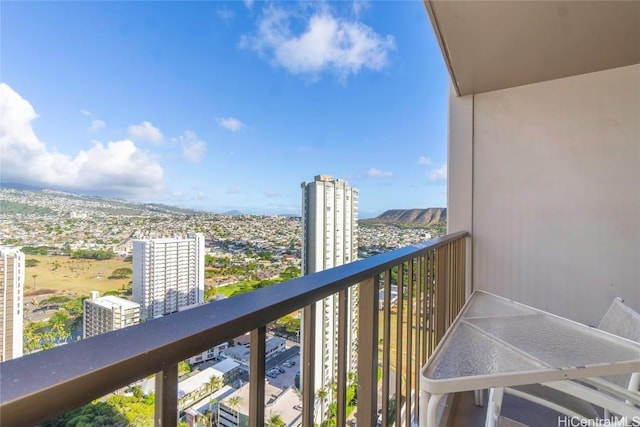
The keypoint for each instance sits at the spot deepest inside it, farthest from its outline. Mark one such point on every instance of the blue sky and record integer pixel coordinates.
(224, 105)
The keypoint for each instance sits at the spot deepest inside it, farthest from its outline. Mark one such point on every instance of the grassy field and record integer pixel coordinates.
(65, 276)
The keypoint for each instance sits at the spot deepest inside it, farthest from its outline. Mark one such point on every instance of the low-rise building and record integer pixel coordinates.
(210, 354)
(108, 313)
(233, 411)
(207, 408)
(240, 353)
(229, 370)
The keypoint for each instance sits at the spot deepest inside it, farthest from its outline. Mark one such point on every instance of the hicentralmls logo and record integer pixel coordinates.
(598, 422)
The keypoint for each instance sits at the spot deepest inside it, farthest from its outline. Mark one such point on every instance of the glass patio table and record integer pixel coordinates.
(496, 342)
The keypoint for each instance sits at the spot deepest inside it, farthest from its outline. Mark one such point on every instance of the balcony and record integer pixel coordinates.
(43, 385)
(544, 148)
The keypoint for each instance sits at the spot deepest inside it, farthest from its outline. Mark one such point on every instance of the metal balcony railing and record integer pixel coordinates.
(396, 335)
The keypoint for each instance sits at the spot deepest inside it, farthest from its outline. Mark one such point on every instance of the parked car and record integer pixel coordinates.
(287, 364)
(281, 369)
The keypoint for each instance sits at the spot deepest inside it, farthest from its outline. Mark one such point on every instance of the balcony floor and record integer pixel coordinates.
(465, 413)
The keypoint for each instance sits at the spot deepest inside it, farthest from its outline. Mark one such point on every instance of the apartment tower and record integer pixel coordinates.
(12, 271)
(329, 239)
(108, 313)
(168, 274)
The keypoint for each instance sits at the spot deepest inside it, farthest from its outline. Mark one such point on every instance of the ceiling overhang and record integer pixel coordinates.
(490, 45)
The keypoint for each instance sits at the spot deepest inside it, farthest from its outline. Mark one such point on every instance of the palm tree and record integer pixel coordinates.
(233, 403)
(59, 332)
(215, 383)
(208, 416)
(351, 377)
(275, 421)
(323, 395)
(31, 340)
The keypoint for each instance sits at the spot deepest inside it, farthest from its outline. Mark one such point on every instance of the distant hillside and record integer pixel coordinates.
(17, 201)
(411, 217)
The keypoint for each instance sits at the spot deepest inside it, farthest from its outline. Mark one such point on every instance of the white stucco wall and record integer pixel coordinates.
(555, 192)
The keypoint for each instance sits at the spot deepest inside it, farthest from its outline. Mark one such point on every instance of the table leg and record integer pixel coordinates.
(432, 410)
(494, 406)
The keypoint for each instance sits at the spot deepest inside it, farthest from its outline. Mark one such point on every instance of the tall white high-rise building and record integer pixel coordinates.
(330, 239)
(108, 313)
(168, 274)
(12, 271)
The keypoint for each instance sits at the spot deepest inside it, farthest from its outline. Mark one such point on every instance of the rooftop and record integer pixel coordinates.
(111, 301)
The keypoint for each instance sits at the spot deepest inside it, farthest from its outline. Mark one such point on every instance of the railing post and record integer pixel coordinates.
(421, 326)
(409, 356)
(399, 346)
(256, 377)
(166, 405)
(441, 288)
(341, 403)
(368, 351)
(386, 347)
(308, 364)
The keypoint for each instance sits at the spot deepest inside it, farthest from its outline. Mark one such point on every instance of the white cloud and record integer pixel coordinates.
(193, 148)
(96, 125)
(230, 123)
(114, 168)
(145, 131)
(326, 44)
(201, 196)
(438, 175)
(85, 112)
(272, 194)
(424, 161)
(225, 14)
(233, 190)
(377, 173)
(248, 3)
(359, 6)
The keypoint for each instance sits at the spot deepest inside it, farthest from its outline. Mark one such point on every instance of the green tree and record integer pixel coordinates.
(210, 292)
(31, 340)
(93, 254)
(59, 331)
(121, 273)
(207, 417)
(137, 410)
(233, 402)
(99, 414)
(215, 383)
(56, 299)
(31, 262)
(137, 392)
(275, 420)
(183, 367)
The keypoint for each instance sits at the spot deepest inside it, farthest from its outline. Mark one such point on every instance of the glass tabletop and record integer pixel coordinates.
(497, 342)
